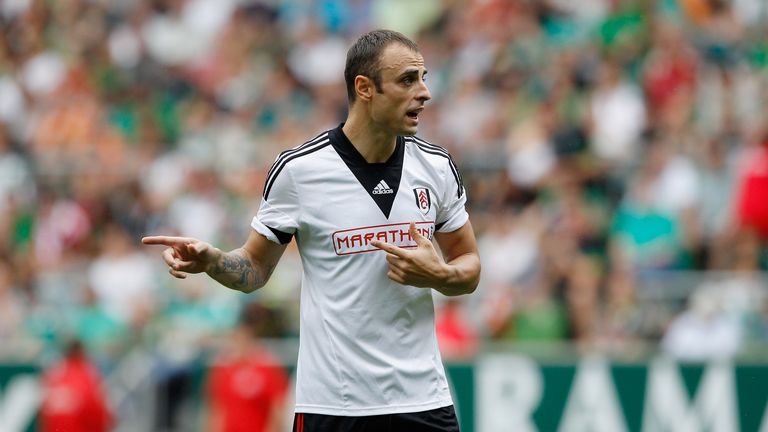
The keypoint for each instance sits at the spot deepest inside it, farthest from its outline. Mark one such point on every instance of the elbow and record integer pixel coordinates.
(473, 286)
(457, 291)
(249, 288)
(467, 287)
(470, 287)
(254, 282)
(473, 279)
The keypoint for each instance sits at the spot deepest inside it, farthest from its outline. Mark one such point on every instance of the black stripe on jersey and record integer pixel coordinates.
(289, 152)
(282, 237)
(437, 150)
(428, 144)
(451, 162)
(278, 166)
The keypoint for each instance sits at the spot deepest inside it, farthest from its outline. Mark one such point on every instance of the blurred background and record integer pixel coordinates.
(615, 155)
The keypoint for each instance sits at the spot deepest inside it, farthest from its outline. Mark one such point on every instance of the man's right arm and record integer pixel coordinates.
(249, 267)
(244, 269)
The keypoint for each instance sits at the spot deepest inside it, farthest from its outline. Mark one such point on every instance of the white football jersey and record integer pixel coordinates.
(367, 344)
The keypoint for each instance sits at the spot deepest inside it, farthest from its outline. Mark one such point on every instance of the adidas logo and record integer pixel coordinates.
(382, 188)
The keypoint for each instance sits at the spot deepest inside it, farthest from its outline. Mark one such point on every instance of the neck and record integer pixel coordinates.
(373, 143)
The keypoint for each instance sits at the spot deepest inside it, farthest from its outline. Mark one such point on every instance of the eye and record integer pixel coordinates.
(408, 80)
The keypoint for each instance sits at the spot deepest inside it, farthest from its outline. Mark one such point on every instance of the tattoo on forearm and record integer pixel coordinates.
(237, 271)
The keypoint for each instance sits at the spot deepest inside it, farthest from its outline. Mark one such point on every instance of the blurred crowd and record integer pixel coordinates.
(615, 154)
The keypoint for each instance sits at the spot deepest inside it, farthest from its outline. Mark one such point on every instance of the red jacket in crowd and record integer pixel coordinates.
(247, 391)
(73, 399)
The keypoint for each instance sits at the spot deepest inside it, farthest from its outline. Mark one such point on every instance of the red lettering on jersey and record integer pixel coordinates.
(340, 240)
(358, 240)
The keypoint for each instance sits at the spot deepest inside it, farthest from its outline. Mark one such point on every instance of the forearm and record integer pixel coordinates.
(461, 275)
(237, 270)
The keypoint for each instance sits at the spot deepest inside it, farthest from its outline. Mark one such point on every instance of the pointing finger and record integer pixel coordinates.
(394, 250)
(166, 240)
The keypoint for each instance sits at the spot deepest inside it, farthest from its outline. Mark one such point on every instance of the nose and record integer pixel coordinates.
(423, 94)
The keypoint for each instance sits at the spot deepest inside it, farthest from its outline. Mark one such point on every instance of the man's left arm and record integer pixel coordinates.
(457, 272)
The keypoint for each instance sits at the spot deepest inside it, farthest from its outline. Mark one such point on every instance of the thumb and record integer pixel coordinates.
(416, 235)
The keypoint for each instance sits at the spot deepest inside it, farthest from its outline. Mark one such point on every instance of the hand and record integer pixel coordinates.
(420, 267)
(184, 254)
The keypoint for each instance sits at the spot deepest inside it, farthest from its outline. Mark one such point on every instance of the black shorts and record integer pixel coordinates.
(436, 420)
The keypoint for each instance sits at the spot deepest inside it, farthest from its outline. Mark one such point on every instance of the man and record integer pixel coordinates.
(363, 202)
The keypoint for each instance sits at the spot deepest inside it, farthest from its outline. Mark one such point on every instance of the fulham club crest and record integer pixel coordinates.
(423, 200)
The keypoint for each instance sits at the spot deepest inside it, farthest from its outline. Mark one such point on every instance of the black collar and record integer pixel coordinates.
(352, 157)
(381, 180)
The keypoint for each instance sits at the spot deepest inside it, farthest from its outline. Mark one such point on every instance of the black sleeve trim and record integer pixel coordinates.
(440, 225)
(282, 237)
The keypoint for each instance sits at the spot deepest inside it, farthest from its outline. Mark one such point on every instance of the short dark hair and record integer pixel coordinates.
(364, 55)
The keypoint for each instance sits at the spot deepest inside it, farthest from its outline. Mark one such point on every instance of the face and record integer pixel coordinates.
(403, 91)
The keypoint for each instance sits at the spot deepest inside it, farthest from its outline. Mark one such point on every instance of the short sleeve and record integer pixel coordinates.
(452, 214)
(278, 215)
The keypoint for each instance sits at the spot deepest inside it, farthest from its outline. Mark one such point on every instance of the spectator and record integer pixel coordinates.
(16, 181)
(669, 73)
(621, 320)
(122, 279)
(455, 333)
(583, 290)
(104, 336)
(618, 117)
(14, 307)
(247, 385)
(704, 331)
(653, 227)
(752, 195)
(73, 397)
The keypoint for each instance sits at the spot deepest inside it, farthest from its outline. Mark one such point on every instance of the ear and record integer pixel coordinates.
(364, 87)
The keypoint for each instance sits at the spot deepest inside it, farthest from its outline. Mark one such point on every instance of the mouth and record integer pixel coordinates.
(414, 113)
